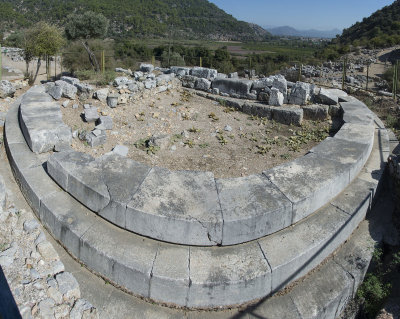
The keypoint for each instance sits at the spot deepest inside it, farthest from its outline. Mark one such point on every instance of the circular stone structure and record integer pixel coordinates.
(186, 238)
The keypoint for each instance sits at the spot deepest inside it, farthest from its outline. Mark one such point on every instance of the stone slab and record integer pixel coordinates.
(81, 175)
(288, 116)
(325, 294)
(36, 185)
(358, 133)
(227, 275)
(345, 152)
(170, 275)
(177, 206)
(252, 208)
(355, 256)
(309, 182)
(66, 220)
(122, 177)
(304, 246)
(233, 86)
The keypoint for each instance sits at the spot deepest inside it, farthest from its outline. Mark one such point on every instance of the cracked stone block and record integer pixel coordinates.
(180, 207)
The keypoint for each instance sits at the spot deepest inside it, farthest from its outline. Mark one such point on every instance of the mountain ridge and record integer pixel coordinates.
(195, 19)
(310, 33)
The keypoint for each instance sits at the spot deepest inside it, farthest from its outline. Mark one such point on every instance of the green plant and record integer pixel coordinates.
(213, 117)
(221, 139)
(204, 145)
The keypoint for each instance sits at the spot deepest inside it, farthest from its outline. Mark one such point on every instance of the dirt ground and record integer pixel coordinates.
(197, 134)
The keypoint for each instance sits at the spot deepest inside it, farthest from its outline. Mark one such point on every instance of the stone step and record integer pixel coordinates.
(199, 277)
(194, 208)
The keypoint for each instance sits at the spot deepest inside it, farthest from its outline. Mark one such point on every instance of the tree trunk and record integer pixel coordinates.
(39, 63)
(92, 56)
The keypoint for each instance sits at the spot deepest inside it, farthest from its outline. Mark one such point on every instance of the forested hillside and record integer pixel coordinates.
(140, 18)
(381, 29)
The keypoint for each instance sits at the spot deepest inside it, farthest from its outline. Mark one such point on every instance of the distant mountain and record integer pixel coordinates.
(193, 19)
(292, 32)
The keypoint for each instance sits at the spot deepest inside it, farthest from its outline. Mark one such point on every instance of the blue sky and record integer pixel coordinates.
(302, 14)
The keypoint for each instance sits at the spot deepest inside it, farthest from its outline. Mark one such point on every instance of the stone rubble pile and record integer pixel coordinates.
(130, 85)
(36, 276)
(15, 54)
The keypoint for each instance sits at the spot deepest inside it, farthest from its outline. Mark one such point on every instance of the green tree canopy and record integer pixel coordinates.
(89, 25)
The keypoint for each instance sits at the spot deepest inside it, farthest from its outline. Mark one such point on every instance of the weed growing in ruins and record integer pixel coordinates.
(194, 130)
(213, 117)
(221, 139)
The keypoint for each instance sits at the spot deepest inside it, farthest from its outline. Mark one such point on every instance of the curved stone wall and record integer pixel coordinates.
(203, 277)
(194, 208)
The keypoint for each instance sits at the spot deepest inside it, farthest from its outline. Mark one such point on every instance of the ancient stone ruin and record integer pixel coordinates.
(186, 238)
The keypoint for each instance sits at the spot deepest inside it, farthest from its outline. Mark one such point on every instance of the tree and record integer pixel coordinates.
(83, 27)
(41, 41)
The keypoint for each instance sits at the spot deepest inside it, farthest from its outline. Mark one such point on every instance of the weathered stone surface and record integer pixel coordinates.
(6, 89)
(68, 90)
(146, 68)
(179, 207)
(252, 208)
(345, 152)
(83, 309)
(112, 100)
(84, 90)
(316, 301)
(55, 92)
(101, 94)
(42, 123)
(91, 114)
(2, 194)
(228, 275)
(188, 81)
(300, 94)
(163, 79)
(287, 116)
(104, 123)
(316, 112)
(170, 276)
(276, 97)
(202, 84)
(309, 182)
(70, 80)
(121, 150)
(204, 73)
(47, 251)
(328, 97)
(233, 75)
(122, 81)
(68, 285)
(80, 175)
(358, 133)
(150, 84)
(180, 71)
(237, 87)
(357, 113)
(280, 83)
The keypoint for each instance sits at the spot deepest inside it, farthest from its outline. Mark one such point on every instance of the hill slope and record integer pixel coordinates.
(381, 29)
(150, 18)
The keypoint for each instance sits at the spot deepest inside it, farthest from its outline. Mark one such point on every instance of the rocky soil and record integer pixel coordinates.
(181, 131)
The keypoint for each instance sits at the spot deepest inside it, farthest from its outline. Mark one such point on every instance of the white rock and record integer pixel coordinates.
(46, 307)
(101, 94)
(121, 150)
(47, 251)
(30, 225)
(55, 294)
(276, 97)
(68, 286)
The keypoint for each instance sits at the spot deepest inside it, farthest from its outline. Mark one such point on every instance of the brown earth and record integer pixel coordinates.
(197, 136)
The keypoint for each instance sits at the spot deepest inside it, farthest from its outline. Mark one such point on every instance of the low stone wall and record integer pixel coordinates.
(194, 208)
(41, 122)
(201, 277)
